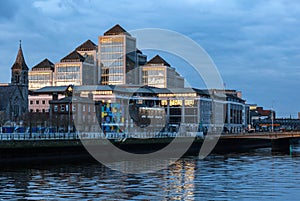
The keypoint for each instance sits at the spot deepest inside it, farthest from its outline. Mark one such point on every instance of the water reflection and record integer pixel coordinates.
(249, 176)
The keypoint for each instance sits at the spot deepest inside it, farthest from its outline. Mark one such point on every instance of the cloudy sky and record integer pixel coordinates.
(254, 44)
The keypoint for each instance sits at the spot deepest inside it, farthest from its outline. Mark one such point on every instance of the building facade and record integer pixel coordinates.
(77, 68)
(130, 92)
(159, 73)
(117, 57)
(74, 70)
(14, 96)
(41, 75)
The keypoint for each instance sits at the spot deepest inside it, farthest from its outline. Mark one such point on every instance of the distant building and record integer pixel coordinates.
(159, 73)
(14, 96)
(39, 100)
(74, 69)
(41, 75)
(236, 113)
(257, 113)
(89, 51)
(68, 112)
(117, 57)
(77, 68)
(115, 61)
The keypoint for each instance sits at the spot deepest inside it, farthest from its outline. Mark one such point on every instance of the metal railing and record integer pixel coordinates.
(93, 135)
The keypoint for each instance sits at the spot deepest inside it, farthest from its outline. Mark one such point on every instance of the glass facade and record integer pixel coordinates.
(39, 79)
(66, 74)
(112, 60)
(115, 52)
(155, 76)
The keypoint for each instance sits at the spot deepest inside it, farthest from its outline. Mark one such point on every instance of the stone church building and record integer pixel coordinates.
(14, 95)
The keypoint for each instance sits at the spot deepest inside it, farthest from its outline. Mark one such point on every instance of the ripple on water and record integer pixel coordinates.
(241, 176)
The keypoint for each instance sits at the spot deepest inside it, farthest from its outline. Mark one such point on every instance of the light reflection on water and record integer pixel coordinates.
(258, 175)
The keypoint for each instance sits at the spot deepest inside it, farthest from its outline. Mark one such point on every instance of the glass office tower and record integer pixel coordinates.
(41, 75)
(117, 57)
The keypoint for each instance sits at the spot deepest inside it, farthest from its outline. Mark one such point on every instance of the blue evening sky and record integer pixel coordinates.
(254, 44)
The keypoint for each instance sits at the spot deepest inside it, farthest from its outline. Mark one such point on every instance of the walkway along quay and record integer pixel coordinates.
(36, 148)
(278, 141)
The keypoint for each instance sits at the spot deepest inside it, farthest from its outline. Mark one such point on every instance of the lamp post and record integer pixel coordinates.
(272, 120)
(69, 116)
(272, 117)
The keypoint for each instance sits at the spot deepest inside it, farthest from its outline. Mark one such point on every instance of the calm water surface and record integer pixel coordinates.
(258, 175)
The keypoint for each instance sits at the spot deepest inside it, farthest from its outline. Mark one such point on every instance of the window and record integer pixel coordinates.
(37, 102)
(43, 102)
(67, 108)
(73, 108)
(62, 108)
(83, 108)
(55, 108)
(31, 102)
(43, 110)
(37, 110)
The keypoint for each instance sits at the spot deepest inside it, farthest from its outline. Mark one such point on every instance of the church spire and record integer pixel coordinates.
(20, 61)
(19, 70)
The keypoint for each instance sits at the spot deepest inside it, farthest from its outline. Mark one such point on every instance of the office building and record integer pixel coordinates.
(41, 75)
(117, 57)
(159, 73)
(73, 69)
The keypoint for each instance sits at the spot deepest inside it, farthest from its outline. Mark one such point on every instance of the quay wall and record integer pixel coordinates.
(40, 152)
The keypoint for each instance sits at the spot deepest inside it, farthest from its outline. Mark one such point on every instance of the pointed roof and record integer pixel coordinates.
(158, 60)
(116, 30)
(44, 65)
(20, 61)
(73, 57)
(87, 46)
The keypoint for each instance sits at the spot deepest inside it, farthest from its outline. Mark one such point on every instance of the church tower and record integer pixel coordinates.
(19, 79)
(19, 70)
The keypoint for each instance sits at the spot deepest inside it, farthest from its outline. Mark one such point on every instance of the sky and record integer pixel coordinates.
(254, 44)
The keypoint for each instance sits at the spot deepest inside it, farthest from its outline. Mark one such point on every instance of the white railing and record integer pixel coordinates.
(94, 135)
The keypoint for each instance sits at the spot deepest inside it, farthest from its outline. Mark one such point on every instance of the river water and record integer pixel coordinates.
(257, 175)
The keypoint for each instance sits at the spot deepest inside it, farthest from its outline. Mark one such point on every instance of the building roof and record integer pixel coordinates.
(158, 60)
(262, 112)
(116, 30)
(73, 57)
(44, 65)
(20, 61)
(87, 46)
(92, 88)
(74, 99)
(51, 89)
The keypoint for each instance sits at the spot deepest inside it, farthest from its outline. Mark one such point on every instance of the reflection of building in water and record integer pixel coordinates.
(182, 177)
